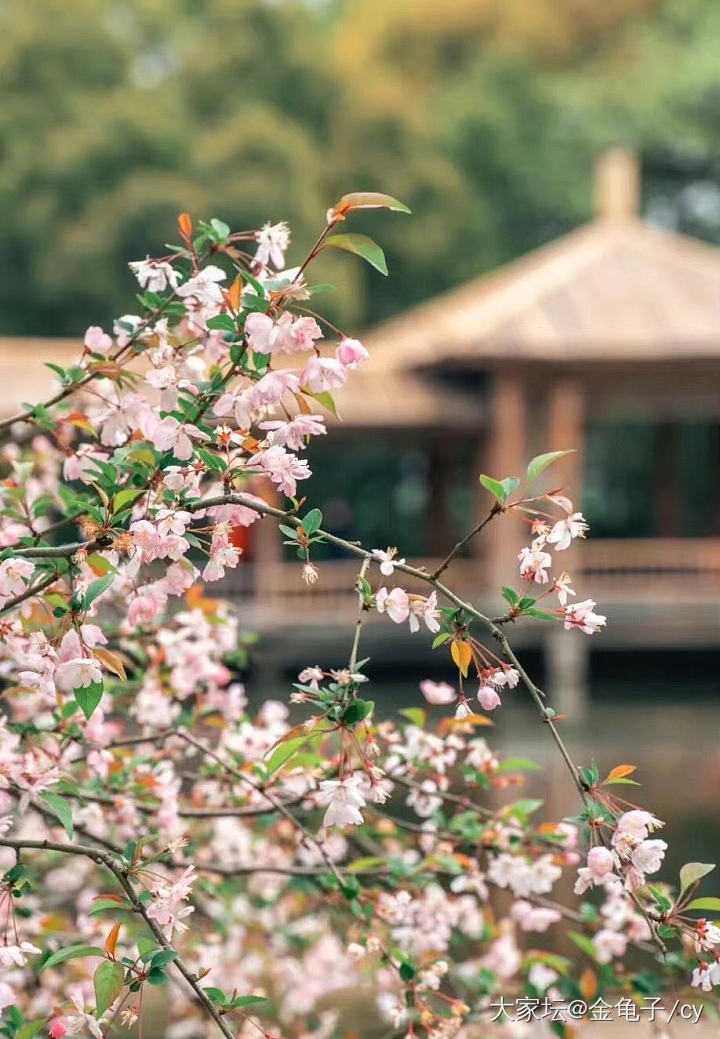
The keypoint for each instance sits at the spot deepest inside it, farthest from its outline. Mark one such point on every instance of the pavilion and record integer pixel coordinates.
(607, 341)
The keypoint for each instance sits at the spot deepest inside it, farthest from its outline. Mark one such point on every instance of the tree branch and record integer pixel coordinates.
(120, 873)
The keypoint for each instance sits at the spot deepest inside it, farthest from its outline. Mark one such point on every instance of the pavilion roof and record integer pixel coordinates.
(616, 289)
(373, 397)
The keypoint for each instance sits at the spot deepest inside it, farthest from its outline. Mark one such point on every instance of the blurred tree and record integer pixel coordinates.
(484, 115)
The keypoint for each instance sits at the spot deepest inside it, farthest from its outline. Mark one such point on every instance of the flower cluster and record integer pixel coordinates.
(156, 821)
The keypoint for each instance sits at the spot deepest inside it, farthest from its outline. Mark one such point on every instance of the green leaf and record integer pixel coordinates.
(31, 1028)
(509, 595)
(323, 398)
(441, 639)
(96, 588)
(369, 200)
(542, 462)
(357, 711)
(584, 943)
(667, 932)
(286, 750)
(362, 246)
(246, 1001)
(590, 776)
(512, 764)
(70, 952)
(713, 904)
(157, 976)
(692, 872)
(147, 948)
(510, 485)
(102, 905)
(221, 323)
(60, 808)
(502, 489)
(524, 808)
(126, 496)
(312, 521)
(109, 981)
(220, 228)
(541, 615)
(88, 697)
(414, 714)
(407, 971)
(216, 995)
(662, 901)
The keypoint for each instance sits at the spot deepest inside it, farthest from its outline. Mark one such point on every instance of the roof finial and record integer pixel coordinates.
(617, 184)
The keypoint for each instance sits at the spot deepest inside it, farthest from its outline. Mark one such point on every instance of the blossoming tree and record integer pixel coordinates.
(155, 831)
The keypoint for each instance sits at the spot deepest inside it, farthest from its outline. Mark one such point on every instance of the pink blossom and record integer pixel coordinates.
(283, 468)
(16, 955)
(14, 573)
(609, 945)
(154, 275)
(81, 465)
(170, 435)
(648, 856)
(426, 610)
(580, 615)
(273, 240)
(78, 673)
(178, 578)
(488, 697)
(534, 918)
(287, 335)
(293, 433)
(351, 353)
(203, 287)
(143, 610)
(565, 530)
(534, 562)
(221, 556)
(7, 996)
(438, 692)
(600, 861)
(97, 341)
(387, 559)
(395, 603)
(322, 374)
(562, 586)
(344, 801)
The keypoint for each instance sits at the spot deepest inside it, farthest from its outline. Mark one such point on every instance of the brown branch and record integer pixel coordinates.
(121, 875)
(494, 511)
(308, 838)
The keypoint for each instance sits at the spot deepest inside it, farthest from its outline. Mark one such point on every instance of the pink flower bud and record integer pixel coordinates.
(351, 353)
(600, 861)
(488, 697)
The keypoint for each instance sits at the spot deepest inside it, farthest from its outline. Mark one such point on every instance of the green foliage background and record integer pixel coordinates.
(483, 115)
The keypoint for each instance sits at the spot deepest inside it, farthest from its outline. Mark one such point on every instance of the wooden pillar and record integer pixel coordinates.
(567, 651)
(268, 549)
(713, 521)
(567, 665)
(566, 429)
(441, 536)
(666, 490)
(507, 456)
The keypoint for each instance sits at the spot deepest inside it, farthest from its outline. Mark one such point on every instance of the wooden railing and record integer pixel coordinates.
(658, 566)
(605, 569)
